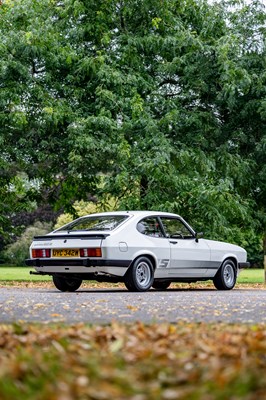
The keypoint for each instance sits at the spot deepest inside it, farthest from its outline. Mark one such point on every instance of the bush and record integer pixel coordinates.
(84, 208)
(17, 252)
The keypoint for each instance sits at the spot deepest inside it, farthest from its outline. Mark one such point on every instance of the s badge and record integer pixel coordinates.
(164, 263)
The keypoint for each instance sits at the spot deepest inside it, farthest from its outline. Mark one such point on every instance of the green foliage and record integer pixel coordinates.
(14, 198)
(17, 252)
(82, 208)
(156, 104)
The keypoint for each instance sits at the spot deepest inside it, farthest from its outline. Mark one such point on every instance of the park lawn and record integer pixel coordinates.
(21, 274)
(251, 276)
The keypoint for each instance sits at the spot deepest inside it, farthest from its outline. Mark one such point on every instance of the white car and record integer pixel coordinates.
(143, 249)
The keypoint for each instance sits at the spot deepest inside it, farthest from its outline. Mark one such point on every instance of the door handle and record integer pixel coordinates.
(173, 242)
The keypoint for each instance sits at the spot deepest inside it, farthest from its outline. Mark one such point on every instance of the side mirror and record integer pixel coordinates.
(198, 236)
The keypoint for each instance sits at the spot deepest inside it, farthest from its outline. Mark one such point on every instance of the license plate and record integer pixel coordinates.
(65, 252)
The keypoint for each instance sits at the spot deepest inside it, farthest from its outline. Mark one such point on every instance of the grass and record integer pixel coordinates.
(20, 274)
(10, 273)
(251, 276)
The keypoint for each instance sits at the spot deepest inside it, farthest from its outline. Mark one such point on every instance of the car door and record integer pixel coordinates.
(157, 243)
(188, 257)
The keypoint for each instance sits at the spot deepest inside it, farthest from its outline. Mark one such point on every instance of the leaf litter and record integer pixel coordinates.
(132, 361)
(104, 285)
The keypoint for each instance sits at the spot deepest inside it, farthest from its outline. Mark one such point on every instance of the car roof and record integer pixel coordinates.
(136, 215)
(133, 213)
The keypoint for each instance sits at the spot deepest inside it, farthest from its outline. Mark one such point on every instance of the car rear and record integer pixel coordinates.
(78, 247)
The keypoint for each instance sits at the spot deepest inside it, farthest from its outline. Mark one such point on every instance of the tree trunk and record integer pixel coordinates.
(144, 183)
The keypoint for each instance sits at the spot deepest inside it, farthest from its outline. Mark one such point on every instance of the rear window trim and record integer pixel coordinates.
(66, 229)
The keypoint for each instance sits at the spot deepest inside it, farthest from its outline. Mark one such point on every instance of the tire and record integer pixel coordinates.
(225, 278)
(128, 285)
(161, 285)
(66, 284)
(140, 275)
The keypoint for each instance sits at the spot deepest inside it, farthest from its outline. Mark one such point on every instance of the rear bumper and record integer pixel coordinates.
(75, 262)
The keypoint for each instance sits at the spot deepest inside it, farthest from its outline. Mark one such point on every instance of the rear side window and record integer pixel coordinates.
(96, 223)
(150, 227)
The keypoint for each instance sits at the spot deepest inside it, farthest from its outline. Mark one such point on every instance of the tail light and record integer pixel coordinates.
(91, 252)
(41, 253)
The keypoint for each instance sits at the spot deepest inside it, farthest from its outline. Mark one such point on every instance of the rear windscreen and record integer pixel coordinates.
(100, 223)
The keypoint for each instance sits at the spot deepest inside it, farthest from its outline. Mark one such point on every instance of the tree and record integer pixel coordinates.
(248, 117)
(158, 104)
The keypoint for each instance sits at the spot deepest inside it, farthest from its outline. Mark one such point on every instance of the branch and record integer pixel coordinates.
(170, 81)
(34, 69)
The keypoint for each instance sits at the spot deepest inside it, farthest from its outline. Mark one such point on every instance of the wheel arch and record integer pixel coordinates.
(140, 274)
(230, 258)
(150, 256)
(226, 275)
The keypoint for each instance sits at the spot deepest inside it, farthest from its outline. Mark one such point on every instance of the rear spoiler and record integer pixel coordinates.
(71, 236)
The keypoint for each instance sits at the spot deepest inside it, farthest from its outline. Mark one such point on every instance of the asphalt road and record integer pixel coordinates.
(106, 305)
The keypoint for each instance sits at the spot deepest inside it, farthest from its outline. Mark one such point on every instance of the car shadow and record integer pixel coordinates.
(121, 290)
